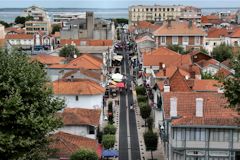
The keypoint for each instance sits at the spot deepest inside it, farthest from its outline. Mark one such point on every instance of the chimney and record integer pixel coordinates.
(166, 88)
(199, 107)
(164, 71)
(190, 24)
(173, 107)
(160, 65)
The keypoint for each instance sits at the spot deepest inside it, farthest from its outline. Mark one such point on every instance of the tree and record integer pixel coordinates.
(141, 98)
(56, 28)
(141, 90)
(109, 129)
(145, 110)
(232, 86)
(176, 48)
(84, 154)
(222, 52)
(108, 141)
(150, 123)
(206, 75)
(69, 51)
(151, 141)
(22, 20)
(28, 108)
(5, 24)
(120, 21)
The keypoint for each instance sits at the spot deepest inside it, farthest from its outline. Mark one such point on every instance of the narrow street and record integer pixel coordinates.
(128, 137)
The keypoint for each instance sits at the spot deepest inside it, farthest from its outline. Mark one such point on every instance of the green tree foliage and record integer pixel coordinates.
(232, 85)
(27, 109)
(5, 24)
(84, 154)
(69, 51)
(145, 110)
(22, 20)
(56, 28)
(176, 48)
(150, 123)
(141, 90)
(206, 75)
(120, 21)
(222, 52)
(108, 141)
(141, 98)
(151, 141)
(109, 129)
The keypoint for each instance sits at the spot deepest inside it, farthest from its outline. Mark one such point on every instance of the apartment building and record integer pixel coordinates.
(197, 125)
(37, 13)
(36, 26)
(161, 13)
(188, 35)
(63, 18)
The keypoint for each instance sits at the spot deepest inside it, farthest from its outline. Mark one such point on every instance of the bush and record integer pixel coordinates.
(141, 90)
(141, 98)
(109, 129)
(150, 123)
(145, 110)
(108, 141)
(222, 52)
(84, 154)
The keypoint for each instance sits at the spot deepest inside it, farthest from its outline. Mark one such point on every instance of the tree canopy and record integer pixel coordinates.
(222, 52)
(56, 28)
(28, 108)
(176, 48)
(84, 154)
(151, 141)
(5, 24)
(69, 51)
(108, 141)
(22, 20)
(232, 85)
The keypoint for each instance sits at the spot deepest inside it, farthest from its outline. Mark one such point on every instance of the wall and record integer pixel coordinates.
(2, 32)
(210, 43)
(84, 101)
(78, 130)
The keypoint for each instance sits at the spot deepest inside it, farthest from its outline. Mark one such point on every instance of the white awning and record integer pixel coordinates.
(117, 57)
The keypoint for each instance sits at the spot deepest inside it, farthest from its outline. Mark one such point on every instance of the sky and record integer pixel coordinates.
(113, 3)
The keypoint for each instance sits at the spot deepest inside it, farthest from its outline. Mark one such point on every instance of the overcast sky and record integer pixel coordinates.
(113, 3)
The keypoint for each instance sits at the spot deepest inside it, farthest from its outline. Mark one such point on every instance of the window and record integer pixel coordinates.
(76, 98)
(185, 40)
(91, 130)
(163, 40)
(175, 40)
(197, 40)
(219, 135)
(207, 43)
(195, 134)
(214, 43)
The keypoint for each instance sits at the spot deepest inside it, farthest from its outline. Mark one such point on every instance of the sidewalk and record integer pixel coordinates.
(158, 154)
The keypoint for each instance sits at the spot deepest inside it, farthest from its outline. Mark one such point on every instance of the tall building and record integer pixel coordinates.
(153, 13)
(37, 13)
(191, 13)
(63, 18)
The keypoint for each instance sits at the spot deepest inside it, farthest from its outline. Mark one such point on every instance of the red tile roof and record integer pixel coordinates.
(165, 56)
(48, 59)
(86, 61)
(236, 33)
(211, 19)
(178, 83)
(19, 36)
(170, 71)
(214, 109)
(16, 30)
(77, 87)
(89, 73)
(222, 72)
(147, 25)
(206, 85)
(66, 144)
(178, 28)
(204, 63)
(144, 38)
(79, 116)
(217, 33)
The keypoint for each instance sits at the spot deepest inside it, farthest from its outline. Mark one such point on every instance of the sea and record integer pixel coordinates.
(9, 14)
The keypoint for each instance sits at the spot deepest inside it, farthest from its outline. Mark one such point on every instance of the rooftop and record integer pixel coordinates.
(48, 59)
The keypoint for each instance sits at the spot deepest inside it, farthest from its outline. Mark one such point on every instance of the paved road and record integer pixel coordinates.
(128, 137)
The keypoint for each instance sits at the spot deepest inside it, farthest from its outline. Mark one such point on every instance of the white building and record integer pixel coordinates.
(79, 93)
(81, 122)
(25, 41)
(37, 13)
(2, 32)
(62, 18)
(152, 13)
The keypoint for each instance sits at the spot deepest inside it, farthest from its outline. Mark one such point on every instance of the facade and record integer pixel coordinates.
(152, 13)
(191, 13)
(2, 32)
(215, 37)
(88, 28)
(234, 38)
(187, 35)
(36, 26)
(195, 128)
(25, 41)
(37, 13)
(238, 17)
